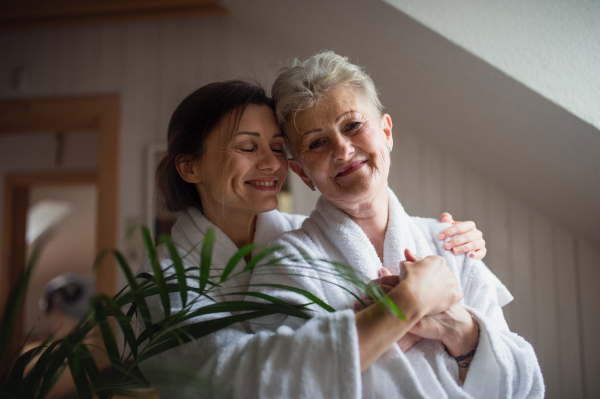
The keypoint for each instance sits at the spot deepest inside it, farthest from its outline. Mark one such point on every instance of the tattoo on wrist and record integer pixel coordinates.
(461, 359)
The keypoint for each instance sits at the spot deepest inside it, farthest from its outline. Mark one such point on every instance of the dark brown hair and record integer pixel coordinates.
(194, 120)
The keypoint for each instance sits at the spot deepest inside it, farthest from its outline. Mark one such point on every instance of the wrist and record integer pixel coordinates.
(404, 299)
(464, 337)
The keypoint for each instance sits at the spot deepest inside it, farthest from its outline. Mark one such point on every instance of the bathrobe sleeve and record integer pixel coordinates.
(320, 359)
(504, 361)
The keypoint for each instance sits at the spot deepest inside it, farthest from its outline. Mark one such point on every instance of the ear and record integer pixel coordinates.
(386, 125)
(299, 170)
(188, 170)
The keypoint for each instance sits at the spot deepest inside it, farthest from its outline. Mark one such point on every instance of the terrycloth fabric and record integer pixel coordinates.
(504, 366)
(234, 363)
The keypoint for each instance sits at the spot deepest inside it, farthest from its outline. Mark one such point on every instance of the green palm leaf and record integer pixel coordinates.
(158, 272)
(235, 259)
(179, 270)
(205, 258)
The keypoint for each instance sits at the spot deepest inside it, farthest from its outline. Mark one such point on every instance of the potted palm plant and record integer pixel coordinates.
(34, 373)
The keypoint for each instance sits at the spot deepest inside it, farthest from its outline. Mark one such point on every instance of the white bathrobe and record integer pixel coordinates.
(234, 363)
(504, 366)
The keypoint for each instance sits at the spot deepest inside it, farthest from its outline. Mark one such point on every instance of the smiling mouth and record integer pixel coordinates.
(263, 185)
(353, 167)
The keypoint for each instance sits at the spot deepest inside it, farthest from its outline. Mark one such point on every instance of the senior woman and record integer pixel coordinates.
(340, 144)
(223, 170)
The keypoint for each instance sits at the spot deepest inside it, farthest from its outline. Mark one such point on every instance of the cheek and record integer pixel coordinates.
(239, 166)
(283, 166)
(373, 140)
(316, 164)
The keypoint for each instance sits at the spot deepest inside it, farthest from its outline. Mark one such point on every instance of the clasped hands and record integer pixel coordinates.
(453, 326)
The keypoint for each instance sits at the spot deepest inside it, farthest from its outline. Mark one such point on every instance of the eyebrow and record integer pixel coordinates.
(344, 114)
(256, 134)
(336, 121)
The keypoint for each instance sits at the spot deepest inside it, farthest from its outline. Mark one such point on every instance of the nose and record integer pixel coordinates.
(342, 148)
(268, 161)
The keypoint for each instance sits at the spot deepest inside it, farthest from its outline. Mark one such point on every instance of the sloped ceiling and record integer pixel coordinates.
(525, 143)
(551, 46)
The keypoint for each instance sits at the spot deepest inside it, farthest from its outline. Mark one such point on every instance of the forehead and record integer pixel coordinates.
(259, 116)
(334, 103)
(255, 118)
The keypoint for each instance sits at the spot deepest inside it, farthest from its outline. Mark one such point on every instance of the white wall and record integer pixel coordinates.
(153, 65)
(551, 46)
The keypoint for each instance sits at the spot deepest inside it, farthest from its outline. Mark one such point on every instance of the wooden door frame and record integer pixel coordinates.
(17, 190)
(102, 113)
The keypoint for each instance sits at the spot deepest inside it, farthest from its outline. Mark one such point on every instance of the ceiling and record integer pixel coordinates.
(528, 145)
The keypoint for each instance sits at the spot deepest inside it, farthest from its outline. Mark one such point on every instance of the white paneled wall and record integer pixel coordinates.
(552, 274)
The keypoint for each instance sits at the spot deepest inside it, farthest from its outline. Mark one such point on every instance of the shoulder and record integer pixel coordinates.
(293, 220)
(461, 265)
(271, 224)
(431, 228)
(298, 238)
(474, 275)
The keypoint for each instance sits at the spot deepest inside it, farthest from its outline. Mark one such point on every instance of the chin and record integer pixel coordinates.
(268, 205)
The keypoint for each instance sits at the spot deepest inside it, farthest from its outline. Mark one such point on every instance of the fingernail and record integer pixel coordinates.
(456, 251)
(441, 236)
(472, 255)
(379, 273)
(447, 245)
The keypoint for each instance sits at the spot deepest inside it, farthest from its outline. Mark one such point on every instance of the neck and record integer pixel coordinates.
(371, 214)
(238, 226)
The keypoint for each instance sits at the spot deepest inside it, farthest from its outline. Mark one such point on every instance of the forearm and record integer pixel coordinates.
(378, 328)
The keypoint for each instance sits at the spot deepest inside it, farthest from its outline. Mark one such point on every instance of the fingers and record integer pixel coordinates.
(388, 280)
(457, 228)
(474, 245)
(383, 272)
(408, 340)
(446, 218)
(409, 256)
(373, 287)
(391, 280)
(480, 254)
(469, 236)
(359, 306)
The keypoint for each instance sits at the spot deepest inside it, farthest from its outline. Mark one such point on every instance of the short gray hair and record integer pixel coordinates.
(302, 85)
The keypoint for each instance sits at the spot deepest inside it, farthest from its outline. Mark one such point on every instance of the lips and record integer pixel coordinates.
(353, 167)
(264, 184)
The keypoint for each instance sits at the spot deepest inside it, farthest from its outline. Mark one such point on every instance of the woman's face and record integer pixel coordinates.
(246, 175)
(341, 146)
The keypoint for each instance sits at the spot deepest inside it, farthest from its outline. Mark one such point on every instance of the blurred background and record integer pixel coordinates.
(496, 111)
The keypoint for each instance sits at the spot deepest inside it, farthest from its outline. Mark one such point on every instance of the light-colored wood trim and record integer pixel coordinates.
(28, 14)
(67, 113)
(101, 112)
(16, 200)
(109, 126)
(50, 179)
(14, 249)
